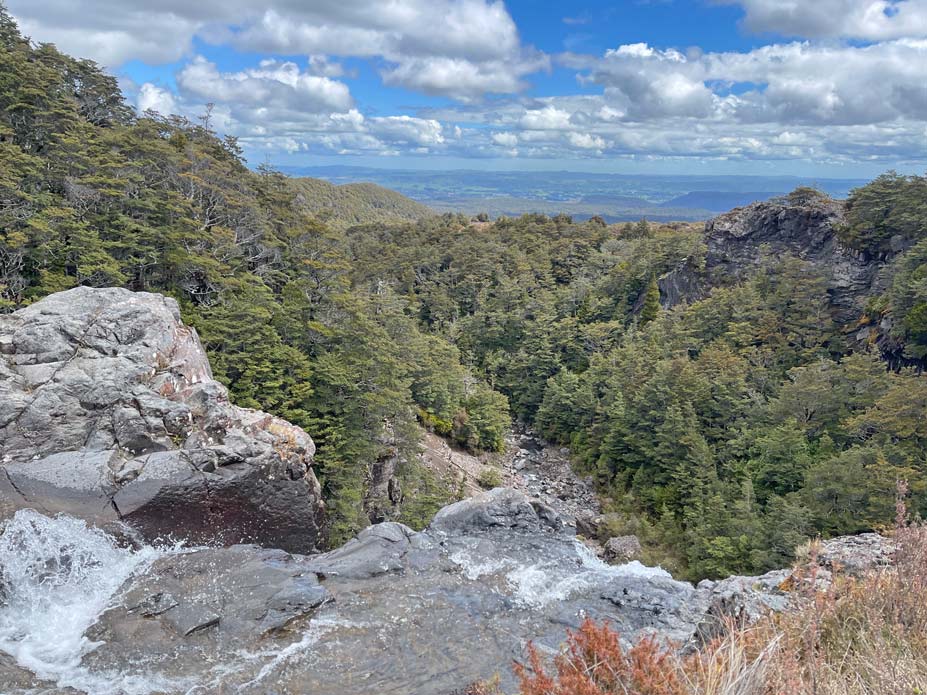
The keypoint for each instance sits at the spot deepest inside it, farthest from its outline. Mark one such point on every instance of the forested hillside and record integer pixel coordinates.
(355, 203)
(723, 432)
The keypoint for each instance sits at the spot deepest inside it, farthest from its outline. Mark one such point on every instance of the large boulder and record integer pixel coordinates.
(622, 548)
(109, 412)
(856, 555)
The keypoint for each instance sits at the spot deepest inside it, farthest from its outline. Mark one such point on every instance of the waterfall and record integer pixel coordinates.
(56, 576)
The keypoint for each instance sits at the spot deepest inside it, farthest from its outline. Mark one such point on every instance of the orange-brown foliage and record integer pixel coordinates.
(595, 664)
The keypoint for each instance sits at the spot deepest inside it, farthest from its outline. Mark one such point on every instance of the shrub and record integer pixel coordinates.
(594, 663)
(489, 478)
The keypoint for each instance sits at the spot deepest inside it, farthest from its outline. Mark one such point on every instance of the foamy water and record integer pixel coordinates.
(541, 584)
(56, 576)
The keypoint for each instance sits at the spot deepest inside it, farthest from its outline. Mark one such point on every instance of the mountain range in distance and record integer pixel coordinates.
(615, 197)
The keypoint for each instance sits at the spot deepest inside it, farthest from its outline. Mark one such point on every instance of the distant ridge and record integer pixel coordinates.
(353, 204)
(719, 201)
(615, 197)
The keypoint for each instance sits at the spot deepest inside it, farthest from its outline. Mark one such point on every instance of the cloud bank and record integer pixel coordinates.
(837, 81)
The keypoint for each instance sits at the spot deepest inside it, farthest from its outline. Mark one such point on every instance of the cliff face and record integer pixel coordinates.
(738, 241)
(109, 412)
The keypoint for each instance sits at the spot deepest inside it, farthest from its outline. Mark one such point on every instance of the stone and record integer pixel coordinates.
(742, 600)
(622, 549)
(109, 412)
(806, 229)
(856, 555)
(392, 611)
(501, 508)
(397, 611)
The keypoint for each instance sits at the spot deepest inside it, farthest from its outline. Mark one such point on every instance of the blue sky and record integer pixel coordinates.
(808, 87)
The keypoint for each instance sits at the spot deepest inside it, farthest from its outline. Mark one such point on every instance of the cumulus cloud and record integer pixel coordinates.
(457, 48)
(786, 83)
(852, 89)
(546, 118)
(873, 20)
(271, 85)
(586, 141)
(153, 98)
(505, 139)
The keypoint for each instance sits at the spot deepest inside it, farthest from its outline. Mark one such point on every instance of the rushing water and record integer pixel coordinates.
(56, 576)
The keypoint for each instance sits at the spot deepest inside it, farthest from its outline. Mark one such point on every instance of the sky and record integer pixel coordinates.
(804, 87)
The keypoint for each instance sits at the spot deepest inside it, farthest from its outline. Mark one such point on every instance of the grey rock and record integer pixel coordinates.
(806, 229)
(376, 550)
(587, 523)
(501, 508)
(201, 606)
(382, 492)
(856, 555)
(396, 611)
(393, 611)
(622, 548)
(108, 411)
(742, 600)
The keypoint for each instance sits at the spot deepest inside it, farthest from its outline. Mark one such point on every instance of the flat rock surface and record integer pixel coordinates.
(392, 611)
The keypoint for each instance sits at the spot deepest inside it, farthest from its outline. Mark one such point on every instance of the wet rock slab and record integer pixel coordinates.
(393, 611)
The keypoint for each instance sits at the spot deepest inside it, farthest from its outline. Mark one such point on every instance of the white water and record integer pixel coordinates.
(56, 576)
(541, 584)
(473, 569)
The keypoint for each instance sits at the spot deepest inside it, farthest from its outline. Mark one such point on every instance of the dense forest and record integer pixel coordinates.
(355, 203)
(723, 432)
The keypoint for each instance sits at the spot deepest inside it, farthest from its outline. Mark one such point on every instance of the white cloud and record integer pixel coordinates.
(408, 130)
(873, 20)
(547, 118)
(505, 139)
(461, 78)
(854, 91)
(785, 83)
(271, 85)
(324, 67)
(585, 141)
(153, 98)
(458, 48)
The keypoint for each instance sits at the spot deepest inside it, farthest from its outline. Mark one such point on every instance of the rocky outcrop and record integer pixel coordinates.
(393, 611)
(807, 229)
(109, 412)
(743, 600)
(855, 555)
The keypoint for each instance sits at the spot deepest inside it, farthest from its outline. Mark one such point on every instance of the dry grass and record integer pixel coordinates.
(858, 636)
